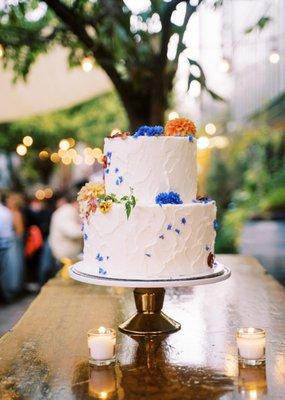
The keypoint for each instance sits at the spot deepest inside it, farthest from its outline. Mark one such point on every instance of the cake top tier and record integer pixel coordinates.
(152, 161)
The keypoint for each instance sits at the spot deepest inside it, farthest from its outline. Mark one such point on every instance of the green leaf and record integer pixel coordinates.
(259, 25)
(134, 201)
(128, 208)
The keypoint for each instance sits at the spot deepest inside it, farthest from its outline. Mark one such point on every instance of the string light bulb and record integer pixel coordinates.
(64, 144)
(87, 64)
(21, 149)
(225, 65)
(210, 128)
(203, 143)
(173, 115)
(274, 56)
(28, 141)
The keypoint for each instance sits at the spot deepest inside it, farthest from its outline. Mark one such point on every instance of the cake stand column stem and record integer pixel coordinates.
(149, 319)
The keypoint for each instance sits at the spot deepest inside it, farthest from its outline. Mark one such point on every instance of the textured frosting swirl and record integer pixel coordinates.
(164, 242)
(151, 165)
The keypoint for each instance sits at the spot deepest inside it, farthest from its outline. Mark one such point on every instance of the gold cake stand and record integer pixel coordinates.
(149, 318)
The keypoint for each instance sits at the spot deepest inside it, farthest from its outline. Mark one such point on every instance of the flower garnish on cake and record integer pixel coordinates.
(168, 198)
(145, 130)
(92, 196)
(117, 133)
(180, 127)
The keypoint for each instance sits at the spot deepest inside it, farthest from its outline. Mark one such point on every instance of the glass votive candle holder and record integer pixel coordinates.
(102, 346)
(251, 346)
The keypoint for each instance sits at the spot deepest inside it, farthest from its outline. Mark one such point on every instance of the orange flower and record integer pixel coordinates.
(180, 127)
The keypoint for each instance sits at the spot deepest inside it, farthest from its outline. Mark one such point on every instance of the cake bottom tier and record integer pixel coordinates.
(171, 241)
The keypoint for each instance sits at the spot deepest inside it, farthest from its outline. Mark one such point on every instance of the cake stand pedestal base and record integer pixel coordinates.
(149, 319)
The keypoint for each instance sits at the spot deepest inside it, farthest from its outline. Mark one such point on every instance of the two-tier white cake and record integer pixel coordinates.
(146, 223)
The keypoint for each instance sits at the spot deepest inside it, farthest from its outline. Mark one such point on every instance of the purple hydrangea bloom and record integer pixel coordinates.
(145, 130)
(168, 198)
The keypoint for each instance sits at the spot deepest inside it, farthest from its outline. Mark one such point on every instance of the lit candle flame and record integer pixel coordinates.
(102, 329)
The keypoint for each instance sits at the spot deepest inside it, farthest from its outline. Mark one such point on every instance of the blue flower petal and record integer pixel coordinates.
(148, 131)
(168, 198)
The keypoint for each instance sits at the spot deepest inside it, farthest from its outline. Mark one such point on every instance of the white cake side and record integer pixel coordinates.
(171, 241)
(151, 165)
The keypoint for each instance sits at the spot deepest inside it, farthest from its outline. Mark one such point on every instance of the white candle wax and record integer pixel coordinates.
(101, 344)
(251, 343)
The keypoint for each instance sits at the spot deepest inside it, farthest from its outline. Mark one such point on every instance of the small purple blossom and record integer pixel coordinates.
(116, 170)
(177, 231)
(207, 247)
(161, 237)
(148, 131)
(148, 255)
(85, 236)
(190, 138)
(168, 198)
(183, 221)
(82, 227)
(109, 155)
(169, 227)
(107, 171)
(108, 257)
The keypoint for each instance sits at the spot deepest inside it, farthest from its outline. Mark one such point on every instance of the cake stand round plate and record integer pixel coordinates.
(149, 296)
(217, 274)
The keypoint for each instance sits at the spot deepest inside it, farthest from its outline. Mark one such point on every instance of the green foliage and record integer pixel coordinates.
(259, 25)
(248, 182)
(129, 202)
(131, 48)
(88, 122)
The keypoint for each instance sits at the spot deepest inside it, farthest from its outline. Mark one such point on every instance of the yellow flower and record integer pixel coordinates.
(105, 206)
(180, 127)
(91, 190)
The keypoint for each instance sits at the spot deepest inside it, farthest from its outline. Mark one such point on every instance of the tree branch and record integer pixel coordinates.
(74, 21)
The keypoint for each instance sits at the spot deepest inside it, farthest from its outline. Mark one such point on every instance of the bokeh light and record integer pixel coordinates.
(21, 149)
(28, 141)
(87, 64)
(48, 193)
(173, 115)
(55, 158)
(210, 129)
(40, 194)
(274, 57)
(64, 144)
(44, 155)
(203, 142)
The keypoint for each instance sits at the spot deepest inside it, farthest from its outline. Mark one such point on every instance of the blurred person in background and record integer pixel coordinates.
(37, 251)
(65, 237)
(11, 247)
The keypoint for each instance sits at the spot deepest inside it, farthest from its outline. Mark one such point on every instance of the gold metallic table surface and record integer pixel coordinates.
(45, 355)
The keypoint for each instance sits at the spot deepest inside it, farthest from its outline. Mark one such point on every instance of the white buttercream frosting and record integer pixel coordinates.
(171, 241)
(151, 165)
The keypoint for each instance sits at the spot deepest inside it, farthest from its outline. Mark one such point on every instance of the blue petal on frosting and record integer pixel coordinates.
(168, 198)
(102, 271)
(216, 225)
(145, 130)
